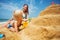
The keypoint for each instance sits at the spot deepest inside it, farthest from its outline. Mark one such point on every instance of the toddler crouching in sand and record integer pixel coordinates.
(11, 24)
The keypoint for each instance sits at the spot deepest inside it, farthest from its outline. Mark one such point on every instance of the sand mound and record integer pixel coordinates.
(40, 33)
(52, 9)
(43, 28)
(47, 20)
(49, 16)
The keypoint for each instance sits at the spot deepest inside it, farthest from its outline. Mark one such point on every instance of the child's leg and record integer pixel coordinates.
(15, 26)
(5, 25)
(12, 29)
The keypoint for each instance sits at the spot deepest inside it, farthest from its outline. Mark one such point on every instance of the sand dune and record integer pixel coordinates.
(52, 9)
(47, 20)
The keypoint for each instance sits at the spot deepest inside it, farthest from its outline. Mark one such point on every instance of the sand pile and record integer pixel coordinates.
(49, 16)
(52, 9)
(47, 20)
(41, 33)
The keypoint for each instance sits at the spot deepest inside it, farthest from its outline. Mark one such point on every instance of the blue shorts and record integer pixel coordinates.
(9, 25)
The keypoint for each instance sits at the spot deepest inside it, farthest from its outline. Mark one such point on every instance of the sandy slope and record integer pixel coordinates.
(52, 9)
(47, 20)
(45, 27)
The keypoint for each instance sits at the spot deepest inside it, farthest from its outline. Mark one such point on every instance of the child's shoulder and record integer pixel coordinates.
(14, 21)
